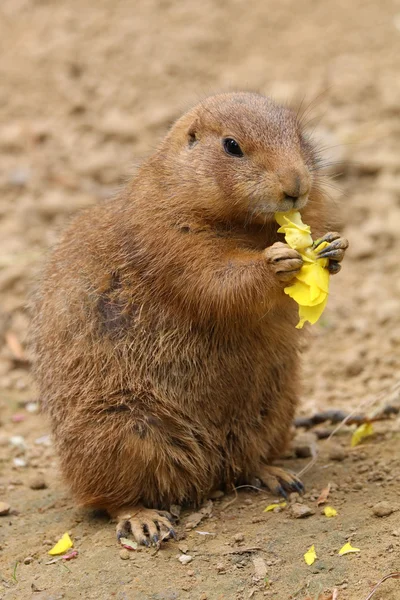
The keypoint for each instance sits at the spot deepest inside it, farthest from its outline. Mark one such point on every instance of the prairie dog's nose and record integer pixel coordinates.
(295, 183)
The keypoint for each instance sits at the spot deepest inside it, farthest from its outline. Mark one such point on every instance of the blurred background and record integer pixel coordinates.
(88, 88)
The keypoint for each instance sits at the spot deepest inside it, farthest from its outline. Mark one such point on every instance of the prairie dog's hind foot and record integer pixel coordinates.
(149, 527)
(279, 481)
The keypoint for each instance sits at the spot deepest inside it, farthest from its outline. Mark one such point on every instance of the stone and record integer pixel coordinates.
(382, 509)
(4, 509)
(38, 483)
(337, 453)
(299, 511)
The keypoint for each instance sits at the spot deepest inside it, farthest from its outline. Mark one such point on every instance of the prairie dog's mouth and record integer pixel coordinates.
(292, 204)
(284, 205)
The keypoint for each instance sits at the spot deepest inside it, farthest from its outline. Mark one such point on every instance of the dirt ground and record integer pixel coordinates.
(86, 89)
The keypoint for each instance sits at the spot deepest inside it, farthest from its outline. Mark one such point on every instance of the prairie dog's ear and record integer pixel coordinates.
(193, 132)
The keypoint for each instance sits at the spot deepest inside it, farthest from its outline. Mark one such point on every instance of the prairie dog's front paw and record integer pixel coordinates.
(285, 262)
(334, 251)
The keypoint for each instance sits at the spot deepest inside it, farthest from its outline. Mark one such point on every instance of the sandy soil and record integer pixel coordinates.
(87, 89)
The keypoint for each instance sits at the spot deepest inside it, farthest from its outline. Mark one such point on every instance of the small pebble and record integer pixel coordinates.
(124, 554)
(301, 510)
(382, 509)
(38, 483)
(337, 453)
(18, 442)
(185, 559)
(203, 596)
(238, 537)
(28, 560)
(4, 509)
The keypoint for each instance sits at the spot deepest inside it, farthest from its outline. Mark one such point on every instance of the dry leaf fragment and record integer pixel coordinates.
(273, 506)
(68, 556)
(323, 497)
(128, 544)
(64, 544)
(330, 512)
(347, 549)
(363, 431)
(310, 555)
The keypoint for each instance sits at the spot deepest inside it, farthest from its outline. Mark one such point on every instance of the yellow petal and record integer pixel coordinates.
(296, 238)
(347, 549)
(310, 555)
(297, 234)
(62, 545)
(300, 292)
(291, 218)
(360, 433)
(273, 506)
(311, 313)
(329, 511)
(315, 275)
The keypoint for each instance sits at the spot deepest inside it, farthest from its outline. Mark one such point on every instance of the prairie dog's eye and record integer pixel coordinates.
(232, 147)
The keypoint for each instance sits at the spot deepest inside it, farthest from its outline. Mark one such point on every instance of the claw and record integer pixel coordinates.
(328, 237)
(280, 491)
(299, 487)
(333, 267)
(172, 534)
(147, 526)
(331, 253)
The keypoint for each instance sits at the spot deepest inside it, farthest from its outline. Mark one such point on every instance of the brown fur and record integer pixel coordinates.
(166, 352)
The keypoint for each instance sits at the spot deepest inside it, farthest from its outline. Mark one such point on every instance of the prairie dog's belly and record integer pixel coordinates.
(212, 378)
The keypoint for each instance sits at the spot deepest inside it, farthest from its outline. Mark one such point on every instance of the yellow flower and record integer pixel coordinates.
(297, 234)
(311, 288)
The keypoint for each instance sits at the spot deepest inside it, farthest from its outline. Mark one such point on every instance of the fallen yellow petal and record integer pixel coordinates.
(273, 506)
(347, 549)
(310, 555)
(62, 545)
(329, 511)
(360, 433)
